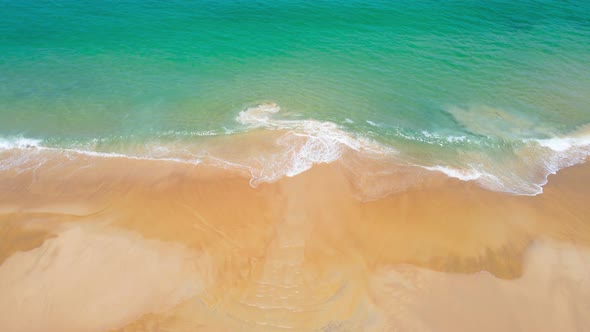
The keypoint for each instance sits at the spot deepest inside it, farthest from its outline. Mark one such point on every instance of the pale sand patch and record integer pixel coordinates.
(92, 279)
(552, 295)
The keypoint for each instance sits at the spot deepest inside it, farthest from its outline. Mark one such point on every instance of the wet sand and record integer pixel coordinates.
(114, 244)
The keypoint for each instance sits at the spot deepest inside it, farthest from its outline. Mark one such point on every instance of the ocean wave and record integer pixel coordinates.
(19, 143)
(298, 146)
(37, 145)
(578, 139)
(289, 147)
(563, 151)
(529, 168)
(305, 143)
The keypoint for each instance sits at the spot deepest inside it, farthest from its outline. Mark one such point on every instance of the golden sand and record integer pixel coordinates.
(114, 244)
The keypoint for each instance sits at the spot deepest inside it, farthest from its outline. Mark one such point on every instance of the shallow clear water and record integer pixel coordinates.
(460, 84)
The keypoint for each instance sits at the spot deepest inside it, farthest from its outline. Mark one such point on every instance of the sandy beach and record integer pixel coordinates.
(114, 244)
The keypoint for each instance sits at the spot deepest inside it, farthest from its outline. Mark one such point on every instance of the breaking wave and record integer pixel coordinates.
(271, 148)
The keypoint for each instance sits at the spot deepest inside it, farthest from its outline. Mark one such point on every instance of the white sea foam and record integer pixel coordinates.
(455, 139)
(564, 144)
(511, 183)
(461, 174)
(126, 156)
(301, 144)
(528, 170)
(561, 152)
(19, 143)
(258, 116)
(306, 143)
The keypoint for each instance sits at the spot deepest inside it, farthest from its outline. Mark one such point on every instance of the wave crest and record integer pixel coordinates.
(304, 143)
(272, 147)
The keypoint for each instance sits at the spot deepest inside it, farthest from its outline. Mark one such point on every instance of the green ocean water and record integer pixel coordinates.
(457, 84)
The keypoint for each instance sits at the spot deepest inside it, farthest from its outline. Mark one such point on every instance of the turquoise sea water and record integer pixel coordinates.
(494, 91)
